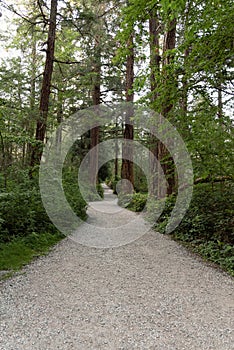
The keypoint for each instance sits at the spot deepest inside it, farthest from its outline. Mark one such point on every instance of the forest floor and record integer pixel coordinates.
(148, 294)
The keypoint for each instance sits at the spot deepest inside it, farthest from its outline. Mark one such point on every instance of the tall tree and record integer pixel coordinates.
(127, 151)
(154, 36)
(46, 85)
(96, 100)
(169, 84)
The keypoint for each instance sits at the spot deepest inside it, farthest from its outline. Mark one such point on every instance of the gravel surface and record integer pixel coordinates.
(149, 294)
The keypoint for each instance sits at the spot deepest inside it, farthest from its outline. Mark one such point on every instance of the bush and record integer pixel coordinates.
(138, 202)
(219, 253)
(208, 224)
(22, 212)
(135, 202)
(209, 217)
(154, 209)
(100, 190)
(73, 195)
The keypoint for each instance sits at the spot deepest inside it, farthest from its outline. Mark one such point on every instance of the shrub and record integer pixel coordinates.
(209, 217)
(135, 202)
(208, 226)
(22, 212)
(72, 193)
(219, 253)
(138, 202)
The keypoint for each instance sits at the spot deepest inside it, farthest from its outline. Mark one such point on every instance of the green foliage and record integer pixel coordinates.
(20, 251)
(100, 190)
(138, 202)
(21, 213)
(208, 225)
(153, 207)
(73, 195)
(140, 181)
(195, 84)
(124, 200)
(218, 252)
(209, 217)
(135, 202)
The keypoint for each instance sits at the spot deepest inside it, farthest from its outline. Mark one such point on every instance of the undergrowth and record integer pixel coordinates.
(208, 225)
(21, 250)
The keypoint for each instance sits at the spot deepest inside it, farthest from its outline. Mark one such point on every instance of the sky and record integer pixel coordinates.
(6, 27)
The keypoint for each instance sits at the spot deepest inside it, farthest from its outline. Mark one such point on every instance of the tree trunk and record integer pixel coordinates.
(164, 157)
(155, 70)
(96, 99)
(127, 151)
(116, 171)
(46, 83)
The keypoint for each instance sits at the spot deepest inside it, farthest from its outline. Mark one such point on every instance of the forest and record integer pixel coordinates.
(60, 57)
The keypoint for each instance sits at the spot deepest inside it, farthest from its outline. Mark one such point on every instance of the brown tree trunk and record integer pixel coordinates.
(96, 99)
(155, 70)
(116, 170)
(164, 157)
(46, 83)
(127, 151)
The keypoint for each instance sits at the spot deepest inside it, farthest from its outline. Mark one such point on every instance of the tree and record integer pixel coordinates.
(169, 82)
(127, 151)
(127, 169)
(155, 59)
(46, 85)
(96, 95)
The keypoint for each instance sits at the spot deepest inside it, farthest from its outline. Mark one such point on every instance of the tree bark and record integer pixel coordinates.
(116, 170)
(127, 170)
(96, 99)
(46, 84)
(164, 157)
(155, 70)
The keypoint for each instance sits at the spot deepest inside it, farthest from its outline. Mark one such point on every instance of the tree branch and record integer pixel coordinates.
(12, 9)
(66, 62)
(209, 179)
(42, 12)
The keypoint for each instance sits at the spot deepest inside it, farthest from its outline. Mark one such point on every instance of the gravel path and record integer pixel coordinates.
(150, 294)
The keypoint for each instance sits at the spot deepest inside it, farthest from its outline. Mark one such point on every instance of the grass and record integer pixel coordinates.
(21, 250)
